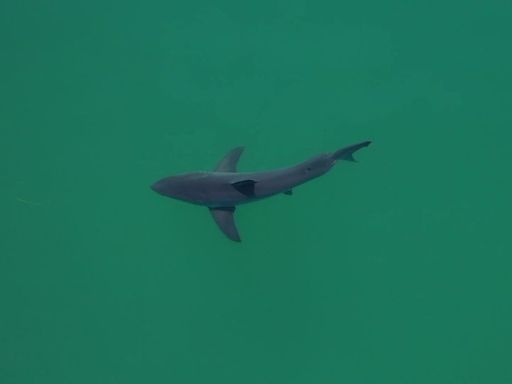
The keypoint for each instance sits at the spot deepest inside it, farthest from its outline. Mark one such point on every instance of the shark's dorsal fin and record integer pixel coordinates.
(245, 187)
(224, 217)
(230, 160)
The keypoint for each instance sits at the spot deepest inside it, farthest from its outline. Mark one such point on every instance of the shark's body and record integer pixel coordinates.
(224, 188)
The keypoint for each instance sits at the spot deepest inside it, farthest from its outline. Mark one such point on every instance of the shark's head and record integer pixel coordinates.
(168, 186)
(181, 187)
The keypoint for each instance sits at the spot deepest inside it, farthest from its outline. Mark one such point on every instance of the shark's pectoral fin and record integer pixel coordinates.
(245, 187)
(288, 192)
(229, 162)
(224, 217)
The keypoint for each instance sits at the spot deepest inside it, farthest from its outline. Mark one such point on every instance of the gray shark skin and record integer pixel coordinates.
(224, 188)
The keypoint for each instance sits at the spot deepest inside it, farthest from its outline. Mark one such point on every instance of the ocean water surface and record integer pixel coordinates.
(395, 269)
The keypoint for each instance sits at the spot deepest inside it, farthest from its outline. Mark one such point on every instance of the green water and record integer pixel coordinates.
(396, 269)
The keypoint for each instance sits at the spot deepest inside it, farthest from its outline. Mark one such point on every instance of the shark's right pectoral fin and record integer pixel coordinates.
(224, 217)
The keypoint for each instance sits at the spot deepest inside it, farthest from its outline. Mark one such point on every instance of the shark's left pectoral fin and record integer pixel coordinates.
(224, 217)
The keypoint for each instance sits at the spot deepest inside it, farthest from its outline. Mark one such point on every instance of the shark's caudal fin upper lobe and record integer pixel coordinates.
(346, 153)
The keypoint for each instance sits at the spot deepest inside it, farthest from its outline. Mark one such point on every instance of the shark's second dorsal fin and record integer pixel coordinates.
(230, 160)
(224, 217)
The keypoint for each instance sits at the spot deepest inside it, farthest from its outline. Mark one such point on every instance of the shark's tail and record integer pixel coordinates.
(347, 152)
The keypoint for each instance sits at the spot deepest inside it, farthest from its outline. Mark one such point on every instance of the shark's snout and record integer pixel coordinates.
(161, 187)
(171, 186)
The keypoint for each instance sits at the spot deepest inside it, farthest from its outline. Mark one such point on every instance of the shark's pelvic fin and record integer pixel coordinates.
(347, 152)
(245, 187)
(230, 160)
(224, 217)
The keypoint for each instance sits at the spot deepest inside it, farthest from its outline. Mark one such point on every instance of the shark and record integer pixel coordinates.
(224, 188)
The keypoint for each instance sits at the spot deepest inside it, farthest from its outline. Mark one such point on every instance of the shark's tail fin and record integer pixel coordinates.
(347, 152)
